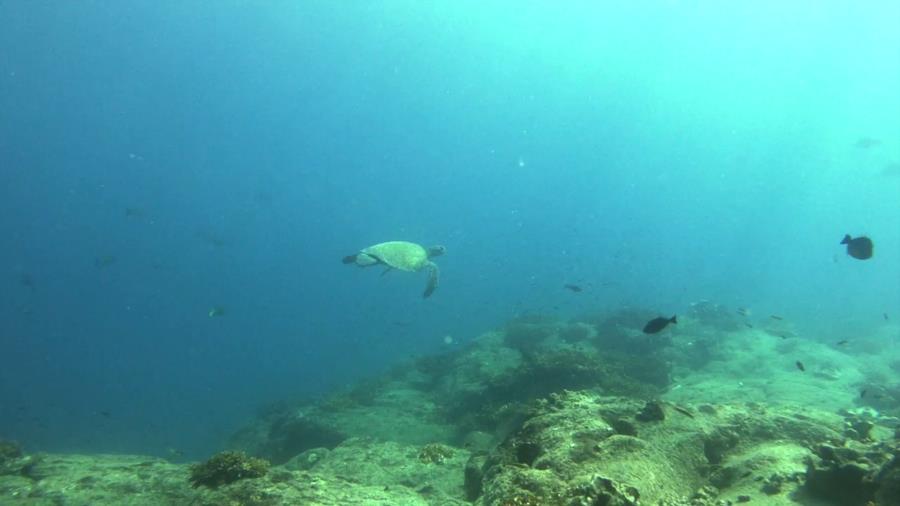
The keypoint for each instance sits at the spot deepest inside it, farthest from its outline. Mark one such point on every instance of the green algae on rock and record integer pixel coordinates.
(227, 467)
(9, 450)
(95, 480)
(396, 466)
(435, 453)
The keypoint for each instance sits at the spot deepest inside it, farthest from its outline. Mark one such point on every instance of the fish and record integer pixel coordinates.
(776, 317)
(657, 324)
(800, 366)
(885, 316)
(104, 261)
(867, 142)
(216, 311)
(211, 237)
(784, 334)
(748, 325)
(26, 280)
(683, 411)
(743, 311)
(174, 454)
(862, 395)
(574, 288)
(860, 248)
(891, 170)
(842, 342)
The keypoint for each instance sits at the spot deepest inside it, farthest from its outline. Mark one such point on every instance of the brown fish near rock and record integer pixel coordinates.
(657, 324)
(860, 248)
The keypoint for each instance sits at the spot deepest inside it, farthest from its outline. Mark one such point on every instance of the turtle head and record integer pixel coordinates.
(436, 251)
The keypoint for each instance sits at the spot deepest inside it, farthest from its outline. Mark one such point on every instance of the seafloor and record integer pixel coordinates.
(544, 411)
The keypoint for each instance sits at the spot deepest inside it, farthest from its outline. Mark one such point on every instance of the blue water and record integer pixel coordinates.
(162, 158)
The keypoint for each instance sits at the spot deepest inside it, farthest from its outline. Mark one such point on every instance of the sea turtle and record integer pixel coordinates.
(402, 255)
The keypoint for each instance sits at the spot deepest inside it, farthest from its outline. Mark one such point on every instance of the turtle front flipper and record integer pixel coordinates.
(434, 275)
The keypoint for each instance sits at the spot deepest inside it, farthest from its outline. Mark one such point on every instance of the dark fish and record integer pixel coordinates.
(211, 237)
(891, 170)
(26, 280)
(263, 197)
(800, 366)
(574, 288)
(749, 325)
(784, 334)
(104, 414)
(104, 261)
(859, 248)
(867, 142)
(862, 395)
(842, 342)
(134, 212)
(657, 324)
(885, 316)
(743, 311)
(683, 411)
(776, 317)
(174, 453)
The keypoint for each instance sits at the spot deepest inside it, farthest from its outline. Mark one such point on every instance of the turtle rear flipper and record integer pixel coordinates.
(433, 279)
(349, 259)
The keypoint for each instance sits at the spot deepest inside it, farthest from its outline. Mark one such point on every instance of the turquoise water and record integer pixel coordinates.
(161, 159)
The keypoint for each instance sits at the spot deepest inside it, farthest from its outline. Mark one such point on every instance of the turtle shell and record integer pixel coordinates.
(402, 255)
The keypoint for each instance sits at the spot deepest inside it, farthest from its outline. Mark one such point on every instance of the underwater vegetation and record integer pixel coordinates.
(435, 453)
(288, 433)
(10, 457)
(227, 467)
(9, 450)
(549, 412)
(568, 452)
